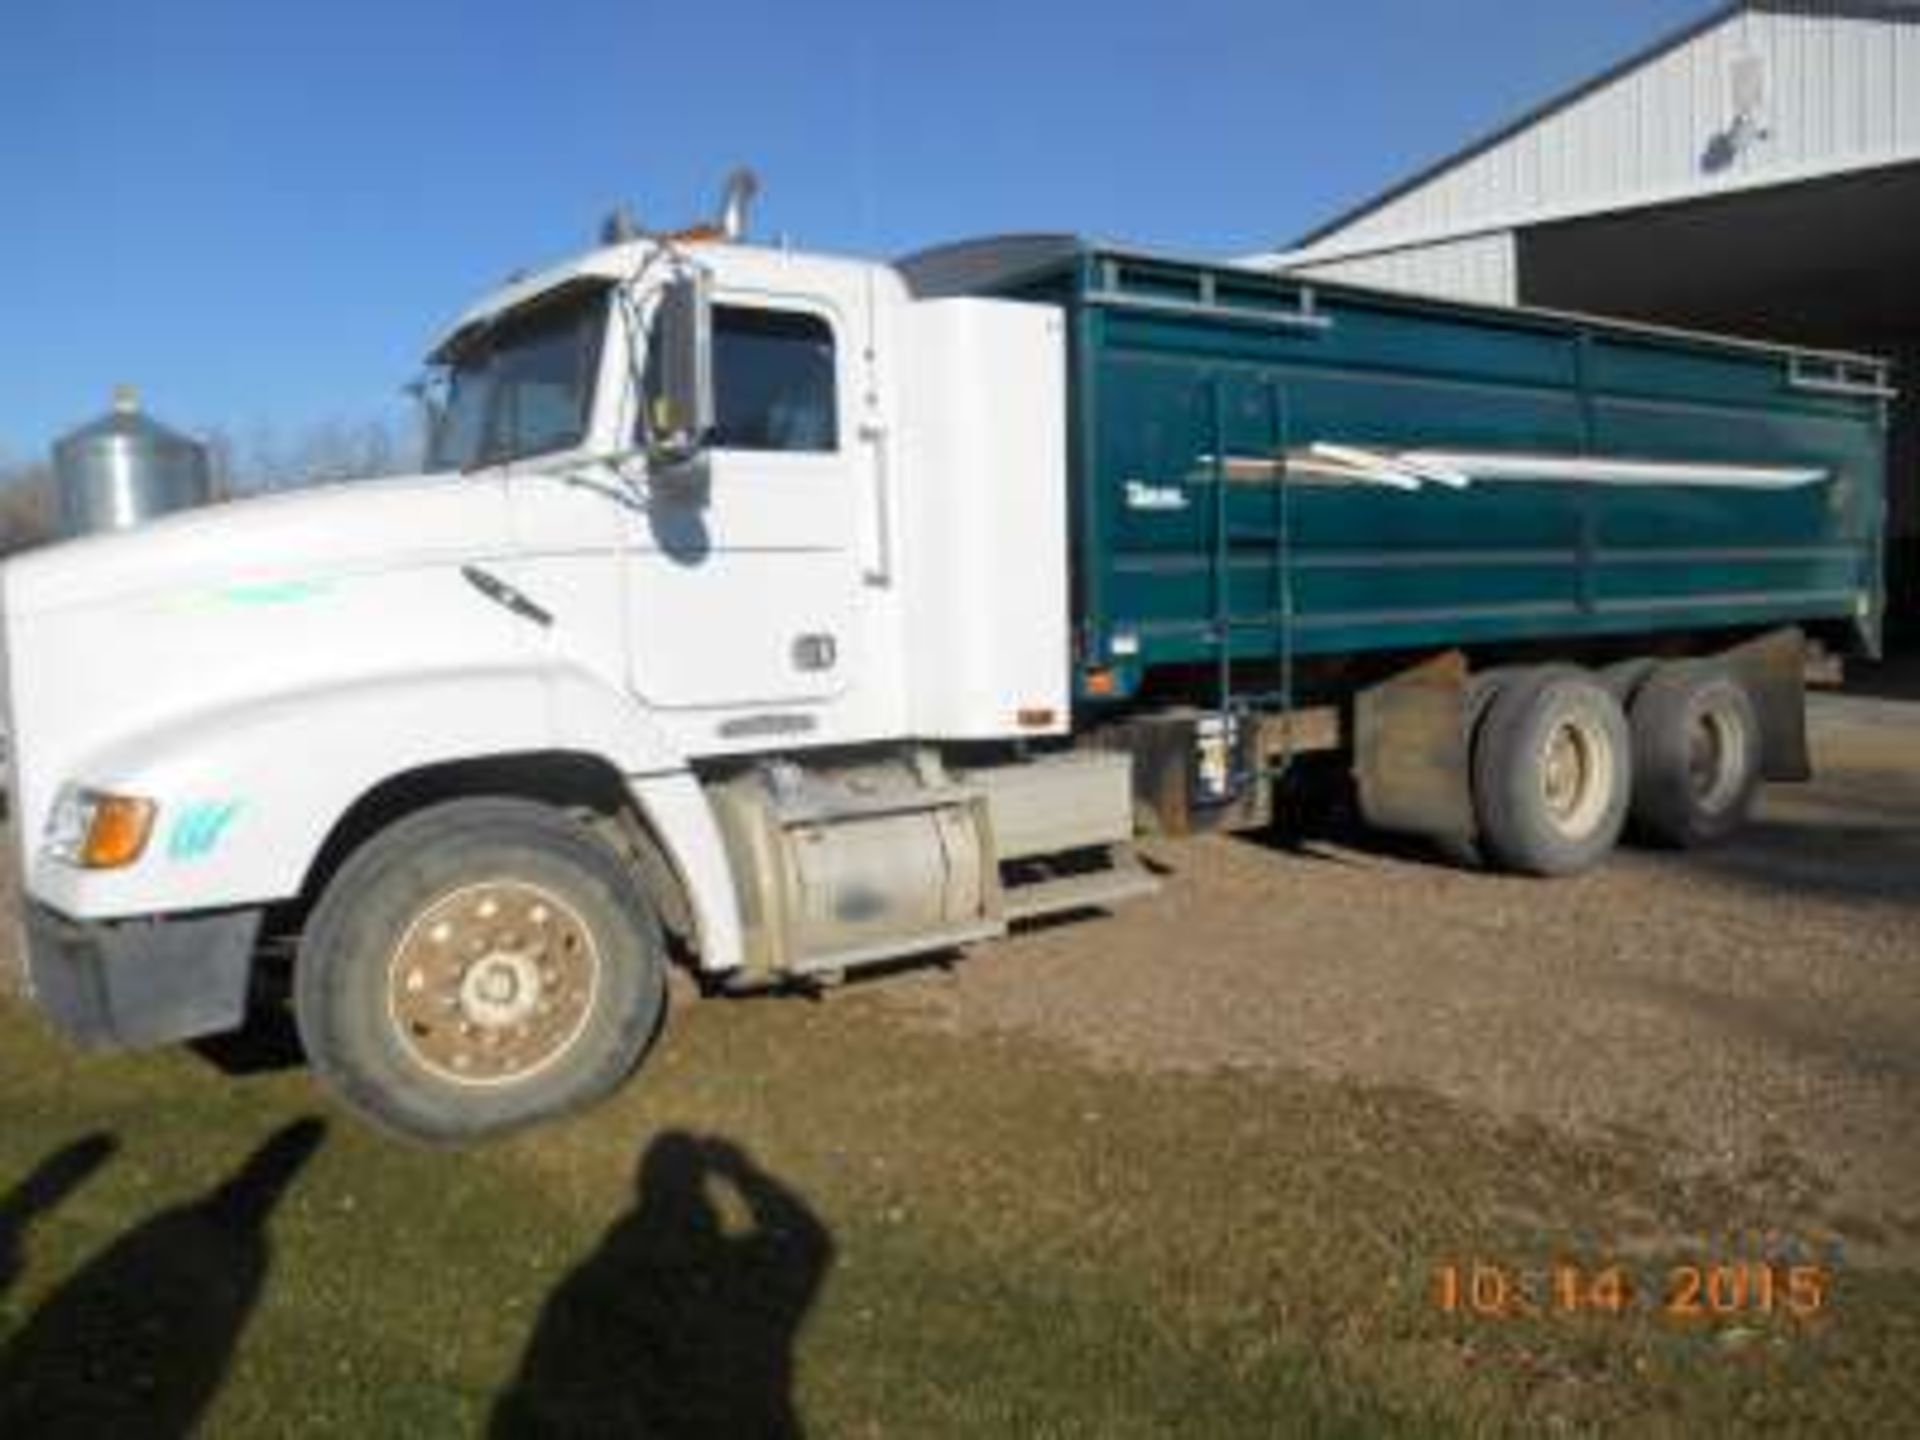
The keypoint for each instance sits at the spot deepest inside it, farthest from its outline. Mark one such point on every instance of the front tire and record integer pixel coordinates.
(1552, 773)
(478, 967)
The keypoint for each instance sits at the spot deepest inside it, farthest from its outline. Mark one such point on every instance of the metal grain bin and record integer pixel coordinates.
(125, 468)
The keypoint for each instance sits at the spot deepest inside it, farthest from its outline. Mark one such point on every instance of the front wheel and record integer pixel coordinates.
(477, 967)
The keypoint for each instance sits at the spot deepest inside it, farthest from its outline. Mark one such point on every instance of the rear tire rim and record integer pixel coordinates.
(1576, 776)
(493, 983)
(1716, 758)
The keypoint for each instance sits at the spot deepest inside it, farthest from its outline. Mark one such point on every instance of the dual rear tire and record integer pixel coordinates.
(1561, 767)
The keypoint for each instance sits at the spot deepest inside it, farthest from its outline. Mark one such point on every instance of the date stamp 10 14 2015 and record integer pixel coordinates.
(1685, 1291)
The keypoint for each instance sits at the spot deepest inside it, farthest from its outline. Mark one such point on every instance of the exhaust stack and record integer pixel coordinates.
(736, 200)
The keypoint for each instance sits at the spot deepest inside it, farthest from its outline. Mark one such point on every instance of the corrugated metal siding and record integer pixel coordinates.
(1480, 268)
(1840, 89)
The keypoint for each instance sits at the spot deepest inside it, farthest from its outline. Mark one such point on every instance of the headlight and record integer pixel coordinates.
(97, 831)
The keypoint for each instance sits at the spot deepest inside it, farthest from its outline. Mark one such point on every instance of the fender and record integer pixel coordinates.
(677, 809)
(248, 792)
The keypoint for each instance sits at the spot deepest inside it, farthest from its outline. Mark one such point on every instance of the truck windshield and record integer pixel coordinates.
(523, 384)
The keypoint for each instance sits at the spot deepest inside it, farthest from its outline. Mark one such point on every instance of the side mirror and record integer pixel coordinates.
(679, 395)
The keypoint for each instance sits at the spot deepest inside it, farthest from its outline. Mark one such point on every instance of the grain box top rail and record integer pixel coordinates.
(1000, 264)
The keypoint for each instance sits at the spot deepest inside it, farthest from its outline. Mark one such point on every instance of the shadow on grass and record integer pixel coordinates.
(683, 1320)
(51, 1182)
(138, 1341)
(268, 1043)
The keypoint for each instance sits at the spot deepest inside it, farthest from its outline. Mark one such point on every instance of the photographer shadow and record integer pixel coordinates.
(137, 1342)
(51, 1182)
(683, 1321)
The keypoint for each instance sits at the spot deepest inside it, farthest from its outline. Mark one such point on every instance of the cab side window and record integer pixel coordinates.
(773, 381)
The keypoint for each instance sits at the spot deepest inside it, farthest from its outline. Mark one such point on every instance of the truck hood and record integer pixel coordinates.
(271, 541)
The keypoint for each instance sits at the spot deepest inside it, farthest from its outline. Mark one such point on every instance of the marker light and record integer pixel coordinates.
(98, 831)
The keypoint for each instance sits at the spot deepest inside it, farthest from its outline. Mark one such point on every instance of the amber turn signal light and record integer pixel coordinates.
(118, 832)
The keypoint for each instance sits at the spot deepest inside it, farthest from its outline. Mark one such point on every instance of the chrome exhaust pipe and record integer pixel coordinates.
(735, 201)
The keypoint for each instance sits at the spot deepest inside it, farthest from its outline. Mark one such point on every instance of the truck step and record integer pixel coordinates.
(1127, 880)
(854, 956)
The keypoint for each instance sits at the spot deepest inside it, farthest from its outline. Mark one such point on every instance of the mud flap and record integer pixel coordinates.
(1774, 670)
(1410, 750)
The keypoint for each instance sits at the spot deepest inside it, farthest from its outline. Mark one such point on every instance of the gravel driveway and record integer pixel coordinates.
(1745, 1010)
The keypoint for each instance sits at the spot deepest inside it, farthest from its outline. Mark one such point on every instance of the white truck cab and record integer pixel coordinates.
(730, 617)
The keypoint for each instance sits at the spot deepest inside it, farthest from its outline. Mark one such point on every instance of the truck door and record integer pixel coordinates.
(745, 596)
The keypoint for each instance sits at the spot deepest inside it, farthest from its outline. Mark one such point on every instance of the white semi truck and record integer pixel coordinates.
(746, 614)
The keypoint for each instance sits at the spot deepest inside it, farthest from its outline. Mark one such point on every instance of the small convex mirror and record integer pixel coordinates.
(680, 396)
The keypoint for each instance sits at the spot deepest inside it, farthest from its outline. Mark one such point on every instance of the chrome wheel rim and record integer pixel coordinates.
(493, 983)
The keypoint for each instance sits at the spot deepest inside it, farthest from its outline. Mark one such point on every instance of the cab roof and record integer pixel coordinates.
(608, 264)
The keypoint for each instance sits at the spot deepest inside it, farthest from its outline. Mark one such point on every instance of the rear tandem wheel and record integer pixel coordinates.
(1552, 767)
(1696, 754)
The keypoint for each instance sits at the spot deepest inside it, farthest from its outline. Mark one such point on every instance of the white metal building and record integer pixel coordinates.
(1757, 173)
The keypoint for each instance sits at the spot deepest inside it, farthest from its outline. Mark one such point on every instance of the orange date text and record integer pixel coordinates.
(1705, 1291)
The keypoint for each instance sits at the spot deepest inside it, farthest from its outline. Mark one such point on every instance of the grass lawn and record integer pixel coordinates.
(817, 1214)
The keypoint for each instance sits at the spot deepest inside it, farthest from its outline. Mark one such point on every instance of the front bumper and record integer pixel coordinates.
(144, 982)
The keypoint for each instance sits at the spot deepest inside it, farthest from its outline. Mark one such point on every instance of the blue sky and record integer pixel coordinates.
(259, 211)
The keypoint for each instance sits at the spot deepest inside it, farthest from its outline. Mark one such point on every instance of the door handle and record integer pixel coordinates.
(815, 650)
(879, 570)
